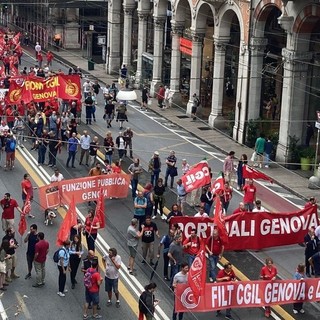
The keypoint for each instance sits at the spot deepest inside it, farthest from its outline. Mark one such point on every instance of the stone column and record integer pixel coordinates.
(71, 29)
(216, 119)
(127, 35)
(257, 47)
(157, 54)
(175, 64)
(113, 43)
(142, 42)
(293, 99)
(195, 74)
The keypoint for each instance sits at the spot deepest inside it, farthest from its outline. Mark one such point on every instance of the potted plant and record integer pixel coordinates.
(293, 154)
(306, 158)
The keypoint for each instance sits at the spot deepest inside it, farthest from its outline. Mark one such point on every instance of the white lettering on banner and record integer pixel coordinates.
(199, 175)
(87, 196)
(78, 186)
(284, 291)
(287, 225)
(241, 229)
(119, 181)
(202, 228)
(318, 291)
(310, 292)
(248, 294)
(221, 296)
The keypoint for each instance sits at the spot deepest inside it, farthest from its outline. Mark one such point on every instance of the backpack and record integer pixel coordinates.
(87, 280)
(56, 255)
(12, 145)
(147, 195)
(198, 102)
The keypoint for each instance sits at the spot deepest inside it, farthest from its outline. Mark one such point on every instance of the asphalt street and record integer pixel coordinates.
(151, 132)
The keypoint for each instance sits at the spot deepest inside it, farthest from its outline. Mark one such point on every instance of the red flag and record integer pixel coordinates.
(219, 221)
(16, 38)
(217, 186)
(22, 225)
(251, 173)
(2, 72)
(69, 220)
(197, 274)
(14, 71)
(197, 177)
(27, 206)
(99, 214)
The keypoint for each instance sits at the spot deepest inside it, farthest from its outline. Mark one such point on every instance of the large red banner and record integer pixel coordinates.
(197, 177)
(249, 230)
(31, 88)
(244, 294)
(84, 189)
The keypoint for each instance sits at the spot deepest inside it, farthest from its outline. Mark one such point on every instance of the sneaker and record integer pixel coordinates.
(28, 276)
(97, 316)
(15, 276)
(154, 217)
(118, 304)
(85, 316)
(61, 294)
(65, 290)
(109, 303)
(266, 166)
(302, 311)
(31, 216)
(295, 311)
(211, 279)
(164, 217)
(229, 317)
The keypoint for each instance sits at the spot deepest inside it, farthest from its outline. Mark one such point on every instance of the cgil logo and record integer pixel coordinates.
(199, 175)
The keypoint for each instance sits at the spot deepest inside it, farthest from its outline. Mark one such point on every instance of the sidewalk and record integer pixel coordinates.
(290, 180)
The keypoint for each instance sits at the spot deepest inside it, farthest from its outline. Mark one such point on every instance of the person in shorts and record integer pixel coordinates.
(92, 293)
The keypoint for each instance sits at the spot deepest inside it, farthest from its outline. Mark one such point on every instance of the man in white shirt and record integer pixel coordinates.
(57, 176)
(86, 88)
(258, 207)
(201, 213)
(37, 48)
(112, 263)
(85, 141)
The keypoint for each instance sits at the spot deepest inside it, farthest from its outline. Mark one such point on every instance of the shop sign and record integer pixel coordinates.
(186, 46)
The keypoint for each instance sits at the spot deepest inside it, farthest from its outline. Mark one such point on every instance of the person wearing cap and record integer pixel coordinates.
(8, 205)
(133, 236)
(154, 167)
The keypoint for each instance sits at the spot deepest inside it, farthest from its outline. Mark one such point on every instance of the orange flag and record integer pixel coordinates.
(69, 220)
(99, 214)
(219, 221)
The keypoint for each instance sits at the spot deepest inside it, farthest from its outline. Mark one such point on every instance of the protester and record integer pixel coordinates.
(120, 142)
(72, 147)
(226, 196)
(215, 250)
(165, 242)
(176, 256)
(133, 236)
(85, 141)
(315, 263)
(311, 242)
(140, 204)
(175, 212)
(299, 275)
(240, 209)
(93, 150)
(258, 207)
(121, 114)
(171, 168)
(76, 252)
(91, 229)
(112, 264)
(185, 167)
(92, 291)
(108, 145)
(4, 256)
(63, 267)
(148, 194)
(191, 246)
(8, 205)
(206, 199)
(147, 302)
(201, 213)
(159, 199)
(11, 263)
(31, 239)
(268, 272)
(249, 195)
(154, 167)
(150, 230)
(135, 170)
(242, 162)
(180, 278)
(128, 135)
(228, 167)
(40, 257)
(182, 195)
(226, 275)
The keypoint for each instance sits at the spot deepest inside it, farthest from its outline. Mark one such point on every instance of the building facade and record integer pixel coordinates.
(246, 60)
